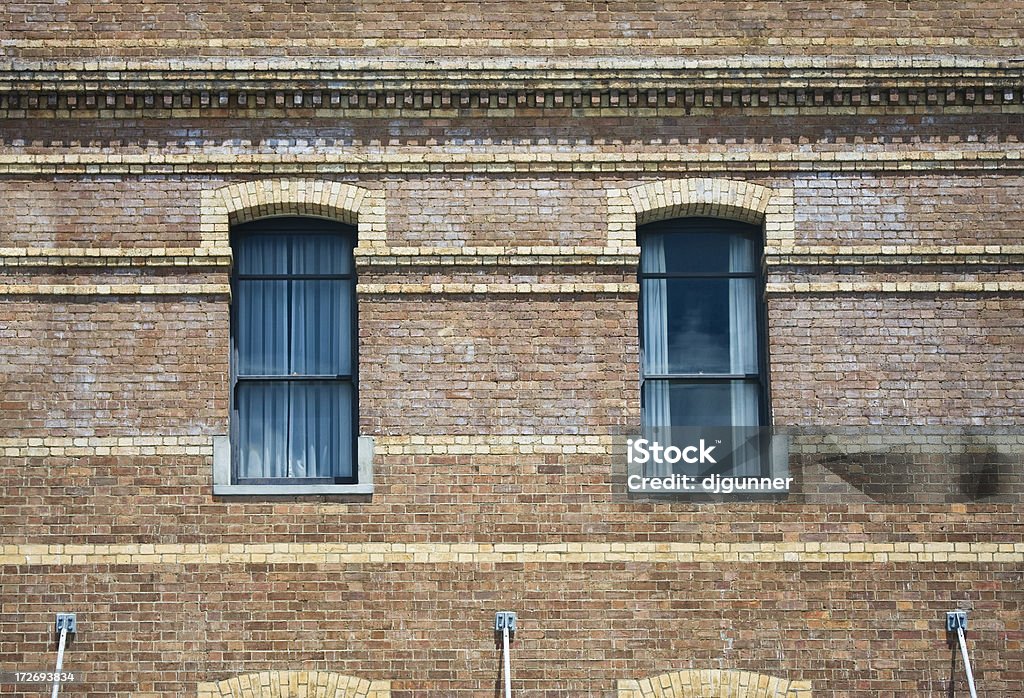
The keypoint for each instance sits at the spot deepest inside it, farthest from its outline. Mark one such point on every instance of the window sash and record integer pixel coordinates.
(312, 411)
(743, 357)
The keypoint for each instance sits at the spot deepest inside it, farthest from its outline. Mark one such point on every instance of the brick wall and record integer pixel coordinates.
(531, 383)
(498, 347)
(689, 28)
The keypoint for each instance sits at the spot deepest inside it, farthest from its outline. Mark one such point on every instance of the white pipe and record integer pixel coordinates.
(967, 661)
(60, 661)
(508, 669)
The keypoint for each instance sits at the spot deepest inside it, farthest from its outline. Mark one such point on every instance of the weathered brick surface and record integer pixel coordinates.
(601, 622)
(908, 210)
(952, 360)
(510, 211)
(456, 381)
(84, 367)
(99, 212)
(304, 28)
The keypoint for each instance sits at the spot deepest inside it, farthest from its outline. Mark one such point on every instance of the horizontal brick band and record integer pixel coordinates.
(894, 255)
(324, 159)
(652, 99)
(399, 445)
(494, 289)
(406, 445)
(113, 256)
(515, 53)
(497, 256)
(656, 104)
(897, 287)
(479, 553)
(113, 289)
(398, 257)
(788, 248)
(71, 446)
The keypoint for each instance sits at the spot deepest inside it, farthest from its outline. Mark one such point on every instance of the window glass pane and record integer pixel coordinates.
(697, 325)
(321, 339)
(294, 253)
(294, 429)
(262, 429)
(261, 327)
(262, 254)
(685, 404)
(321, 421)
(320, 254)
(697, 252)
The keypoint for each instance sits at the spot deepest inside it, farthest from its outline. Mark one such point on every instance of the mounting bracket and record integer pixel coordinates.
(504, 630)
(66, 621)
(66, 627)
(956, 627)
(502, 620)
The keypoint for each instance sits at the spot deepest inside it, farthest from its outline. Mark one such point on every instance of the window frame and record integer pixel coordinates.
(684, 225)
(282, 226)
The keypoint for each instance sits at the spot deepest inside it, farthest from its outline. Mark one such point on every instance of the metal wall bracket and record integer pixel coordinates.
(956, 626)
(502, 620)
(504, 631)
(67, 621)
(955, 620)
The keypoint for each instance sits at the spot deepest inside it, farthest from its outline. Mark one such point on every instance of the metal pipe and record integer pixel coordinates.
(60, 661)
(508, 668)
(967, 661)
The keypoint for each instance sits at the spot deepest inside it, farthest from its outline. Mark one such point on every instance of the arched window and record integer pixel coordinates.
(293, 342)
(702, 324)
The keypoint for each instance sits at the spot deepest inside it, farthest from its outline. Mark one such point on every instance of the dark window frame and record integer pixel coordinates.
(282, 227)
(703, 225)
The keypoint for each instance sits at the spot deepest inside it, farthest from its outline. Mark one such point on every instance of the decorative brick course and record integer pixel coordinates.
(708, 683)
(532, 159)
(837, 552)
(295, 684)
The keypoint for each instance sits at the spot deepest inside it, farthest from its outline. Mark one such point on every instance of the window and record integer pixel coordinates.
(702, 324)
(293, 397)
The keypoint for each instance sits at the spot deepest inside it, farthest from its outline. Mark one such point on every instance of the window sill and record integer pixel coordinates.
(222, 484)
(285, 490)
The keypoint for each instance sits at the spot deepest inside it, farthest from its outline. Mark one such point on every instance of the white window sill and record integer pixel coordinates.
(222, 484)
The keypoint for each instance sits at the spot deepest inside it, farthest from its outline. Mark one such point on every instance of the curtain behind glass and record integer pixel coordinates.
(742, 331)
(657, 407)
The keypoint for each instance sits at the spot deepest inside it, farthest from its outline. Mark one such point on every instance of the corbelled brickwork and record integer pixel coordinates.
(496, 160)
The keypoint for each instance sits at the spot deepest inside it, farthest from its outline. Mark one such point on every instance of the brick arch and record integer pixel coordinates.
(246, 201)
(700, 196)
(295, 684)
(714, 683)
